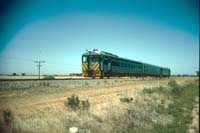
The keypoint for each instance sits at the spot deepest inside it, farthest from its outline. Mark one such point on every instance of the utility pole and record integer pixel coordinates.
(39, 65)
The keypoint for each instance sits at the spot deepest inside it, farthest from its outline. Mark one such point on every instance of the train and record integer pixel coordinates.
(96, 63)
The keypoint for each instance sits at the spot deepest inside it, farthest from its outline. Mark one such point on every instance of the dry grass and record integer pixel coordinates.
(42, 109)
(36, 77)
(110, 117)
(194, 127)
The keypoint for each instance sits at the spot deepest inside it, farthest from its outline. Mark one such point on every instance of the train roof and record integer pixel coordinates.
(155, 65)
(97, 52)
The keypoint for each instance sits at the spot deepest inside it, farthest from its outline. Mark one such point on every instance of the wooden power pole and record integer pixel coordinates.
(39, 65)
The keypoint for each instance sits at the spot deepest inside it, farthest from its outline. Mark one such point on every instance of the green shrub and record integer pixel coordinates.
(159, 90)
(49, 77)
(172, 83)
(176, 89)
(126, 99)
(74, 103)
(23, 74)
(8, 117)
(44, 84)
(85, 104)
(148, 90)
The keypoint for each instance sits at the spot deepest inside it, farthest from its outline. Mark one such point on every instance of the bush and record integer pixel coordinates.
(74, 103)
(23, 74)
(44, 84)
(85, 104)
(8, 117)
(159, 89)
(14, 74)
(172, 83)
(176, 89)
(126, 99)
(49, 77)
(147, 90)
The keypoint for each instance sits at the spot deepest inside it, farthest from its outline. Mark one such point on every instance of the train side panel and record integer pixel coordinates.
(165, 72)
(150, 70)
(125, 68)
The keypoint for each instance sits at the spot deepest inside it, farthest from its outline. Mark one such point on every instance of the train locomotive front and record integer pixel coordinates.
(91, 61)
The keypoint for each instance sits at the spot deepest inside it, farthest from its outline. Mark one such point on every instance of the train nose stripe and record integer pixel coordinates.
(95, 66)
(84, 66)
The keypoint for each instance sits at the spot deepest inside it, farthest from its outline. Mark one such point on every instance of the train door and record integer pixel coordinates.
(109, 68)
(84, 66)
(90, 63)
(105, 65)
(90, 60)
(101, 59)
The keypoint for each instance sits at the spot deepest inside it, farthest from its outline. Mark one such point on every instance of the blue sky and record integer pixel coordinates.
(164, 33)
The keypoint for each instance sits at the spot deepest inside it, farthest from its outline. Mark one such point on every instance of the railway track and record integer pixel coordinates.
(57, 79)
(45, 79)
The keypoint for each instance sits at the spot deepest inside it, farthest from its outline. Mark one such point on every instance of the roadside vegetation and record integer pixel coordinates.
(48, 77)
(161, 109)
(183, 98)
(75, 103)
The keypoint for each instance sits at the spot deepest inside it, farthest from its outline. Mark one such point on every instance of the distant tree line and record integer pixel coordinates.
(184, 75)
(75, 74)
(22, 74)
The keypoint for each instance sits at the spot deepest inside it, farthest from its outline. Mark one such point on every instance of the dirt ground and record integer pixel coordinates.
(46, 98)
(39, 106)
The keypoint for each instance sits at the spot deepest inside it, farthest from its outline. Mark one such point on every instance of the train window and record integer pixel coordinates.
(105, 62)
(101, 58)
(122, 64)
(114, 63)
(90, 59)
(96, 59)
(84, 58)
(117, 63)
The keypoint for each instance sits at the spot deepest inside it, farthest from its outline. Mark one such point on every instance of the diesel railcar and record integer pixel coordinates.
(101, 64)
